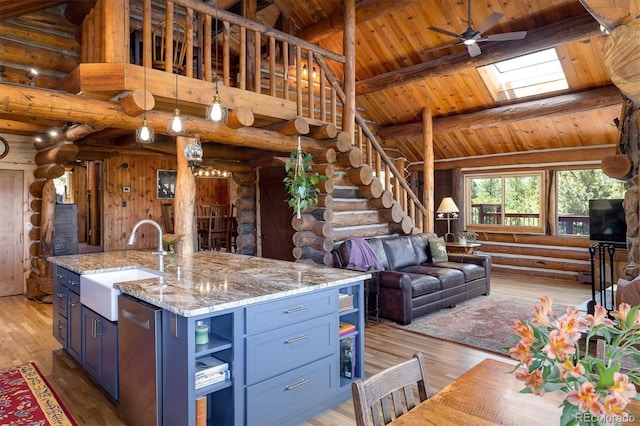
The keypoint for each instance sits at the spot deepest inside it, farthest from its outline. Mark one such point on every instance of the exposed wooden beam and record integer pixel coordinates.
(21, 128)
(550, 107)
(572, 29)
(94, 112)
(365, 10)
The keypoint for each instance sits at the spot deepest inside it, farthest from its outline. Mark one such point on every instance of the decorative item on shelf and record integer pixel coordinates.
(301, 180)
(217, 112)
(465, 237)
(145, 133)
(193, 153)
(447, 210)
(554, 354)
(171, 240)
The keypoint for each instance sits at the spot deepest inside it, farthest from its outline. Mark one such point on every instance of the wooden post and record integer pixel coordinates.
(428, 170)
(184, 203)
(349, 47)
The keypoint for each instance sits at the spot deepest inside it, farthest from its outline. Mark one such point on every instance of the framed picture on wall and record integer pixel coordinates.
(167, 184)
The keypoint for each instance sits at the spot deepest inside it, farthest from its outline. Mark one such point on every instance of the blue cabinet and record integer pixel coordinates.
(100, 350)
(89, 338)
(284, 356)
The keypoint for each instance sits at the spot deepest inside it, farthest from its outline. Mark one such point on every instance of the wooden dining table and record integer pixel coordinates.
(489, 394)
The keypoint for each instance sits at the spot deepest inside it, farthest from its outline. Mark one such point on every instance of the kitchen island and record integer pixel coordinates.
(275, 323)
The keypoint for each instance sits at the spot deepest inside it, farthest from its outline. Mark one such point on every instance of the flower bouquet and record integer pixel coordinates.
(550, 358)
(171, 240)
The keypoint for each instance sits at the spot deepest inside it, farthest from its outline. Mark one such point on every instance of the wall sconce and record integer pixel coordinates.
(31, 75)
(193, 153)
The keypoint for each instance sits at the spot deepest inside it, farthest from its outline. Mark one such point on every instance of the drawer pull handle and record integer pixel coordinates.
(296, 339)
(300, 383)
(298, 309)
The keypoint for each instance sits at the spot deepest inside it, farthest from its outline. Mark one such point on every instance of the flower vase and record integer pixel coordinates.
(172, 251)
(462, 240)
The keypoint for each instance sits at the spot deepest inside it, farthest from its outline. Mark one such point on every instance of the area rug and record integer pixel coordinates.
(27, 399)
(484, 322)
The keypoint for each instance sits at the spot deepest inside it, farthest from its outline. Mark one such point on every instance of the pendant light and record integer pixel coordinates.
(175, 125)
(145, 133)
(217, 112)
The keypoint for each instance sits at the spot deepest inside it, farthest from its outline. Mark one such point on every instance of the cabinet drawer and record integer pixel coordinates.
(73, 282)
(277, 399)
(289, 311)
(283, 349)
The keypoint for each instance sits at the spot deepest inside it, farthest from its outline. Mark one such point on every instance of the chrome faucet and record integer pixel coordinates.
(161, 253)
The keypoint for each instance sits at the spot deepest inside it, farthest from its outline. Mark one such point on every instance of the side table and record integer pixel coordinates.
(468, 248)
(371, 292)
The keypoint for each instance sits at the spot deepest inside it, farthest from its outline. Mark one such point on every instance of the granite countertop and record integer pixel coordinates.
(210, 281)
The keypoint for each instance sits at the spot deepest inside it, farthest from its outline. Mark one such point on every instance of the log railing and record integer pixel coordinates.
(250, 56)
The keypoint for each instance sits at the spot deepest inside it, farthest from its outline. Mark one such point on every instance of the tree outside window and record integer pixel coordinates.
(575, 188)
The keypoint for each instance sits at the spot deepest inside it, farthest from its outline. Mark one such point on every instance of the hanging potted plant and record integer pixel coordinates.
(301, 180)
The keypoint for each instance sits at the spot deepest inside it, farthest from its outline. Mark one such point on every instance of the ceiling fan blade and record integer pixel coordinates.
(445, 32)
(489, 22)
(446, 46)
(516, 35)
(474, 49)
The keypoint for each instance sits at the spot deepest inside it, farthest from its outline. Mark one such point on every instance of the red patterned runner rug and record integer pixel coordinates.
(27, 399)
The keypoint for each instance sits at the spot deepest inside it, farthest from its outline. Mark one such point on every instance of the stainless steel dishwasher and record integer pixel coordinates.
(140, 362)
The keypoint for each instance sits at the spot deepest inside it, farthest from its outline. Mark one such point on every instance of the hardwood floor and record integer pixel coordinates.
(25, 335)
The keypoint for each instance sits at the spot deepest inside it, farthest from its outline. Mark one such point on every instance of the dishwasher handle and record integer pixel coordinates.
(141, 322)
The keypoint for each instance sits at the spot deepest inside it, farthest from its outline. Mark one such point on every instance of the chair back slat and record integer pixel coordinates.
(389, 394)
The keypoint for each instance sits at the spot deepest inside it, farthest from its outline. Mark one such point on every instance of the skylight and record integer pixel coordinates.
(525, 76)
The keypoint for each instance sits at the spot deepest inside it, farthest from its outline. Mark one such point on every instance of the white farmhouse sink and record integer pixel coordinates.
(97, 292)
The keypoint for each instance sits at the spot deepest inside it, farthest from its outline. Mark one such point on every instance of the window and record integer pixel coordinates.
(63, 186)
(524, 76)
(575, 188)
(512, 201)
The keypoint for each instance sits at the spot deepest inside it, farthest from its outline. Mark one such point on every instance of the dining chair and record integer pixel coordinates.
(179, 47)
(390, 393)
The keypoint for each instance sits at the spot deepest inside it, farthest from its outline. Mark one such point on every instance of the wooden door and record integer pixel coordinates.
(276, 232)
(11, 228)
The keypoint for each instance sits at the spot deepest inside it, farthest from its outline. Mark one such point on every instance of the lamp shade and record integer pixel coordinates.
(447, 205)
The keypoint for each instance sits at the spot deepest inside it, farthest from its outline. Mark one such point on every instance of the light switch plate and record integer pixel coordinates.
(126, 189)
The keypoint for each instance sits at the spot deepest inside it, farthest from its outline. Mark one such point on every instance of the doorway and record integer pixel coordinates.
(11, 233)
(276, 232)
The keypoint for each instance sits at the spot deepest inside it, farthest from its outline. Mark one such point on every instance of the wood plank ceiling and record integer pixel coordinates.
(396, 58)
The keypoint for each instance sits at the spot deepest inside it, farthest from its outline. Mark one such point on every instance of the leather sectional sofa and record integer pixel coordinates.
(411, 284)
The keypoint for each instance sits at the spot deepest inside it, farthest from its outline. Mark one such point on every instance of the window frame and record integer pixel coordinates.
(540, 229)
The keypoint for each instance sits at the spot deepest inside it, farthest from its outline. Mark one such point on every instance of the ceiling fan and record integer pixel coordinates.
(470, 37)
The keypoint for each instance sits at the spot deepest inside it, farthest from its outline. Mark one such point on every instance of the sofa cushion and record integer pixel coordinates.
(421, 247)
(423, 284)
(438, 249)
(378, 249)
(400, 252)
(471, 271)
(448, 277)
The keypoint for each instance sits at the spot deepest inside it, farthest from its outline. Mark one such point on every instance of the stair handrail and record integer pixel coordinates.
(372, 140)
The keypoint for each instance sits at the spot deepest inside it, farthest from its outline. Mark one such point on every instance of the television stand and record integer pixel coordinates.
(608, 260)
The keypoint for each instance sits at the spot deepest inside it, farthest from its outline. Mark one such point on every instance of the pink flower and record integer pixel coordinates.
(572, 325)
(623, 312)
(586, 399)
(532, 380)
(559, 345)
(568, 368)
(524, 330)
(543, 311)
(614, 404)
(521, 352)
(598, 317)
(622, 387)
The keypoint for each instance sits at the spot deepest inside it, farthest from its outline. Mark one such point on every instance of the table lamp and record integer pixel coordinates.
(447, 210)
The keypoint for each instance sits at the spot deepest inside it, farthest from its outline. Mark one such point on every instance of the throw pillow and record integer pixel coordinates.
(438, 249)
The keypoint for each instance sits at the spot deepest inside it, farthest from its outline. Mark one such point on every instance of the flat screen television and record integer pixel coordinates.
(607, 221)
